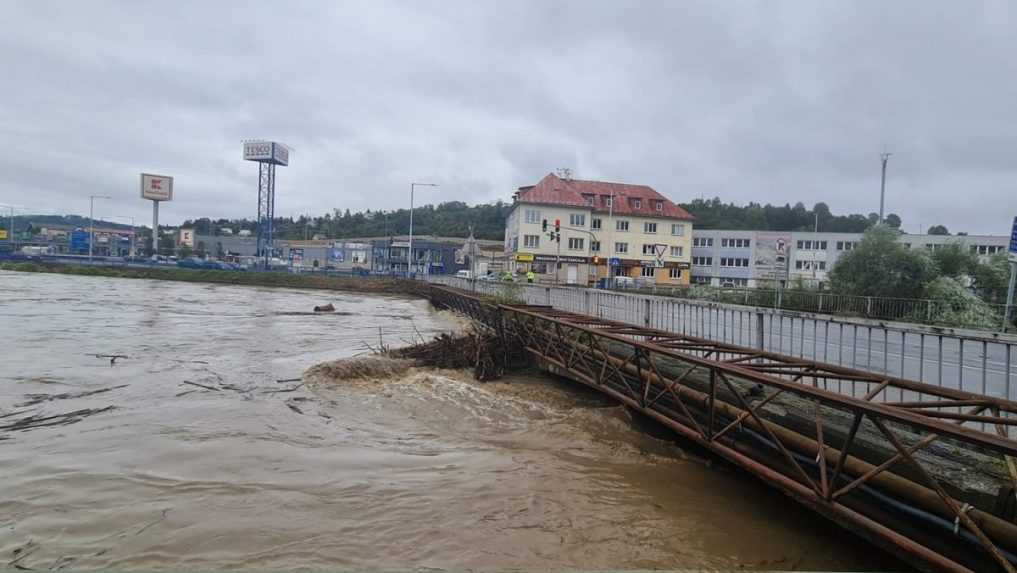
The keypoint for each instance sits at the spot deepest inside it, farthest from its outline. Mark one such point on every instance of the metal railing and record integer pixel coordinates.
(957, 313)
(985, 365)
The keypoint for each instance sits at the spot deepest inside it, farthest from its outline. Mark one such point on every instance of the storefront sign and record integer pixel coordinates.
(572, 259)
(524, 257)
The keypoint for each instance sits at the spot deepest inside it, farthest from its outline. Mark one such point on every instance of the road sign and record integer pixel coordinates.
(1013, 242)
(614, 262)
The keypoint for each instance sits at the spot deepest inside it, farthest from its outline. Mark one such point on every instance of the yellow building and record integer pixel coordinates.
(606, 229)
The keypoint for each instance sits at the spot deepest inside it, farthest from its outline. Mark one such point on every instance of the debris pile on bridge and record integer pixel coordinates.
(481, 349)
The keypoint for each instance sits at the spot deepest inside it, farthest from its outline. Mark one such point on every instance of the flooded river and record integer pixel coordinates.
(189, 453)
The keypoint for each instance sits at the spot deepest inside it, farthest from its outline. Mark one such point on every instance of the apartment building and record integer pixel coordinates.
(764, 258)
(606, 229)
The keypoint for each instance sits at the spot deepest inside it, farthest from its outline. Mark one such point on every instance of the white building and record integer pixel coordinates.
(759, 258)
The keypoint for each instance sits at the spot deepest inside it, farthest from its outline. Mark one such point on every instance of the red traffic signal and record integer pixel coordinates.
(557, 225)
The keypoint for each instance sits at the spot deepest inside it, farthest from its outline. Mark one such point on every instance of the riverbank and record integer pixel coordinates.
(291, 280)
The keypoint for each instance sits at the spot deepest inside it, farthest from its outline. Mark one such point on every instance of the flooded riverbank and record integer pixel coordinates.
(206, 460)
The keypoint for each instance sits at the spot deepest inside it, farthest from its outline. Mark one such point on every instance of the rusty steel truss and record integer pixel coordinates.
(870, 466)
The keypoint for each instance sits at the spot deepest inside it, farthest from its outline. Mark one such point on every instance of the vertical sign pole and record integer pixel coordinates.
(1012, 256)
(1009, 296)
(155, 228)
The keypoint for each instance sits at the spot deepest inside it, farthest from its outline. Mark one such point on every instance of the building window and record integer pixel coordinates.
(621, 225)
(575, 244)
(577, 220)
(589, 199)
(532, 216)
(660, 207)
(648, 271)
(515, 243)
(846, 245)
(621, 247)
(736, 282)
(734, 243)
(607, 200)
(650, 228)
(595, 246)
(674, 273)
(637, 203)
(812, 245)
(702, 241)
(678, 229)
(810, 265)
(733, 262)
(650, 249)
(702, 261)
(676, 251)
(701, 280)
(531, 241)
(595, 224)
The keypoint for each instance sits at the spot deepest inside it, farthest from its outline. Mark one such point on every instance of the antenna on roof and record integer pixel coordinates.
(564, 173)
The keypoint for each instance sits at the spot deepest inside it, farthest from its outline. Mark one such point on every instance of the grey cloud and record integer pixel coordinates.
(750, 101)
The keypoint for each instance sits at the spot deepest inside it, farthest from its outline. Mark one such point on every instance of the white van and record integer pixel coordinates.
(464, 274)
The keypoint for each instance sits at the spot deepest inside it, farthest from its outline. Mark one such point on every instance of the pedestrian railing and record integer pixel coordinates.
(965, 361)
(956, 313)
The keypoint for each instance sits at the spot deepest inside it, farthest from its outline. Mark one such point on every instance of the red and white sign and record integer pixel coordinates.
(156, 187)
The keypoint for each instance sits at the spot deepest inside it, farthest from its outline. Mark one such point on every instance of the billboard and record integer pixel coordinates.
(3, 234)
(267, 152)
(772, 250)
(156, 187)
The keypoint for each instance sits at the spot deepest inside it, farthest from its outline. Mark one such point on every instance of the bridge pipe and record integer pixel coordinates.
(998, 529)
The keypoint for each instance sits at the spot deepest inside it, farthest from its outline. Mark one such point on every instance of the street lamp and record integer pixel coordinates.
(133, 232)
(91, 222)
(413, 186)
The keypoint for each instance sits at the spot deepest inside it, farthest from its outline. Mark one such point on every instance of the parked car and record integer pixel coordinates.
(464, 274)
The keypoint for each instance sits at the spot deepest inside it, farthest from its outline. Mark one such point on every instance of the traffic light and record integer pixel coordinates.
(557, 225)
(557, 237)
(545, 225)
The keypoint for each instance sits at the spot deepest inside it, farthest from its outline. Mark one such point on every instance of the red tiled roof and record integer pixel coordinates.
(552, 190)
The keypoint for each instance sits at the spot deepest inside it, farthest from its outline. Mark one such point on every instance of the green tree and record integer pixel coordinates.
(953, 260)
(882, 266)
(938, 230)
(991, 278)
(893, 221)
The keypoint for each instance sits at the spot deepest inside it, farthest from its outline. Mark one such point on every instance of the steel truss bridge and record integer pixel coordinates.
(930, 475)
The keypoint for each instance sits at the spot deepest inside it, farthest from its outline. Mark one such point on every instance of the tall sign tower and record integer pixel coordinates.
(268, 154)
(155, 188)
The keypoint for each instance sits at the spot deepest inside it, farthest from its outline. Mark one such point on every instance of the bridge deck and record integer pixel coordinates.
(929, 475)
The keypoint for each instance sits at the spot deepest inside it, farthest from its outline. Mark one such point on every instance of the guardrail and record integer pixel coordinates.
(984, 364)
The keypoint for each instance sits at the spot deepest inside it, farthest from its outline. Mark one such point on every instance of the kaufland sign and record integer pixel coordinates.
(156, 187)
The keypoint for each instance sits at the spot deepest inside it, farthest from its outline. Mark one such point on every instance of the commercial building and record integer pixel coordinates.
(605, 229)
(766, 258)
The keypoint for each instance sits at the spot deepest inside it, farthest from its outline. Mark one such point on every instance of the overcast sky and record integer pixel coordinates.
(749, 101)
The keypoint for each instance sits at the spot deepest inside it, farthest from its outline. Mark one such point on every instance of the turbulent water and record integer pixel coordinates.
(206, 460)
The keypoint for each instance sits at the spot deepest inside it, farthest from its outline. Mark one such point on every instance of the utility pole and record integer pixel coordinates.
(409, 259)
(882, 185)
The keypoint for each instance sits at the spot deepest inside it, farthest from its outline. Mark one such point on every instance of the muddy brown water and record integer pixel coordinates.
(424, 470)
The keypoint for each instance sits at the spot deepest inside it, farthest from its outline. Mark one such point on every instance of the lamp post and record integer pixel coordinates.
(413, 186)
(91, 222)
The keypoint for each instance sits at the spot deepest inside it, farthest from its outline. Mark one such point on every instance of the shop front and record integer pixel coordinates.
(558, 269)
